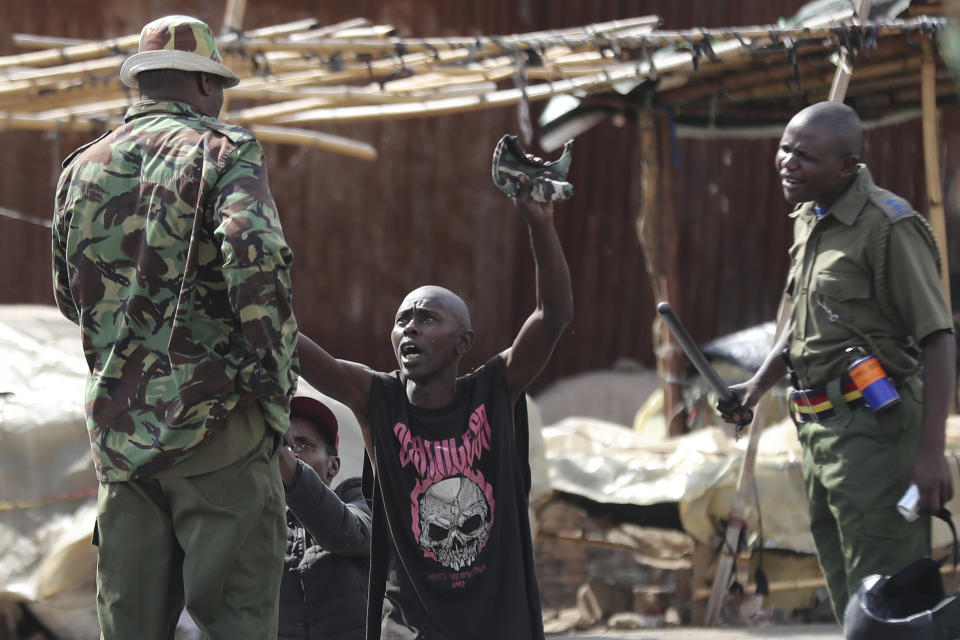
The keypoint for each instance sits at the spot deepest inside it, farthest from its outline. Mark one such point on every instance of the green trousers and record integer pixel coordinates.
(212, 542)
(856, 466)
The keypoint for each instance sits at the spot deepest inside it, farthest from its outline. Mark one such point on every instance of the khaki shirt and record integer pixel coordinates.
(869, 240)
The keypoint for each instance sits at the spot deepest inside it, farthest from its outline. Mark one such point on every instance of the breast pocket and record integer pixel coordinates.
(843, 285)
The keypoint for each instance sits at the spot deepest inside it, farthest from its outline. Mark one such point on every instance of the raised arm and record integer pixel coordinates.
(344, 381)
(534, 344)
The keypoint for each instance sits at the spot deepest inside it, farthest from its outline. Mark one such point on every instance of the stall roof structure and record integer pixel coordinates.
(298, 77)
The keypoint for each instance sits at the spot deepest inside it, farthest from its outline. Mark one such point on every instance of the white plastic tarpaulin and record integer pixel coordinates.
(47, 482)
(611, 464)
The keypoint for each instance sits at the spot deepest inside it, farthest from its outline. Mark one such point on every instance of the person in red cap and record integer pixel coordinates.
(169, 254)
(451, 554)
(323, 592)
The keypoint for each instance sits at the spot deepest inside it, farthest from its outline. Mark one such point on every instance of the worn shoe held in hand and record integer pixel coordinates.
(548, 180)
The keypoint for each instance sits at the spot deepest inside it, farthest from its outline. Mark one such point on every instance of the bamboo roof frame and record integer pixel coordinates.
(304, 74)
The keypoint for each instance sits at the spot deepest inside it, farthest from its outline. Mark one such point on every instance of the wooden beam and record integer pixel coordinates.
(32, 122)
(309, 138)
(233, 16)
(73, 53)
(931, 162)
(838, 90)
(29, 41)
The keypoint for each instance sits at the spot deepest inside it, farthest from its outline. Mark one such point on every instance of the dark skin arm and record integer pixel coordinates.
(344, 381)
(931, 471)
(770, 372)
(534, 343)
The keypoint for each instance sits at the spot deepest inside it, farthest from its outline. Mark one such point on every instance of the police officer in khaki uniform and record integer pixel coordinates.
(863, 281)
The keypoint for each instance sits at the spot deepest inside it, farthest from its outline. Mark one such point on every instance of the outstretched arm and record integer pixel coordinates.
(339, 527)
(534, 344)
(344, 381)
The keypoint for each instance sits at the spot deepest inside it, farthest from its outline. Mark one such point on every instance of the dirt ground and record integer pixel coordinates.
(793, 632)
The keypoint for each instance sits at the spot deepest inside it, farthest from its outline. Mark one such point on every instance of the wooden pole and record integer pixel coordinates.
(931, 161)
(838, 90)
(657, 231)
(233, 16)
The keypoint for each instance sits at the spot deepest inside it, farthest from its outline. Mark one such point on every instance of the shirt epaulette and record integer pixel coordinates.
(236, 134)
(891, 204)
(83, 148)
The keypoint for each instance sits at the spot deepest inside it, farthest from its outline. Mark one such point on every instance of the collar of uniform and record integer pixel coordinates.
(148, 107)
(848, 206)
(803, 210)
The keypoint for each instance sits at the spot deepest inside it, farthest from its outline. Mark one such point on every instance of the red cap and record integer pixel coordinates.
(319, 414)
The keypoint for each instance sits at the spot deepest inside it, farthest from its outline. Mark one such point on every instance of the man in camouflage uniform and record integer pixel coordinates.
(864, 274)
(168, 252)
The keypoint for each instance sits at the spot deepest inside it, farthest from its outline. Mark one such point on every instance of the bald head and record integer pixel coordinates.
(441, 297)
(818, 155)
(840, 121)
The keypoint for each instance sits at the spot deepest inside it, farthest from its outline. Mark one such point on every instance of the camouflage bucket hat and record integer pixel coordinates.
(176, 42)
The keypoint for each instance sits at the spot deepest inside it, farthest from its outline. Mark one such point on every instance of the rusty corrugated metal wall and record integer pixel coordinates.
(365, 233)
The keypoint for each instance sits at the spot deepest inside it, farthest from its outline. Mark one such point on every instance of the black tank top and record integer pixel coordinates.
(452, 555)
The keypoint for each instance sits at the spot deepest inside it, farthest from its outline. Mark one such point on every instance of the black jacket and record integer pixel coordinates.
(323, 593)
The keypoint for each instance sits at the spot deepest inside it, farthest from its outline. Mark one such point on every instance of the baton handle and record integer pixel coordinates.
(729, 400)
(726, 394)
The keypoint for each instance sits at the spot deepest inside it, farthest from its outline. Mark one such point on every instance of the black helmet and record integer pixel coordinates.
(908, 605)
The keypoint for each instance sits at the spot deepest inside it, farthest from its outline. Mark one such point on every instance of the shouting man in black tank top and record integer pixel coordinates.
(452, 556)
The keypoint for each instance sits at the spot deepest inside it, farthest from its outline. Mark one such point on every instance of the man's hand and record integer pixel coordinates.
(531, 210)
(749, 396)
(288, 464)
(931, 474)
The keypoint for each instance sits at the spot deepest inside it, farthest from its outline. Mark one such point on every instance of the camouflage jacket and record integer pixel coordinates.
(168, 252)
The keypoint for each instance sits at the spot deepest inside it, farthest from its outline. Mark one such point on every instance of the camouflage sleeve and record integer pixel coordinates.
(256, 268)
(61, 273)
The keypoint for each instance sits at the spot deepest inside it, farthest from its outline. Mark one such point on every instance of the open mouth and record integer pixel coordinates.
(787, 181)
(409, 351)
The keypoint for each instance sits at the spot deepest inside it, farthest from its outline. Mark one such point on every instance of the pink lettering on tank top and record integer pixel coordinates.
(451, 504)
